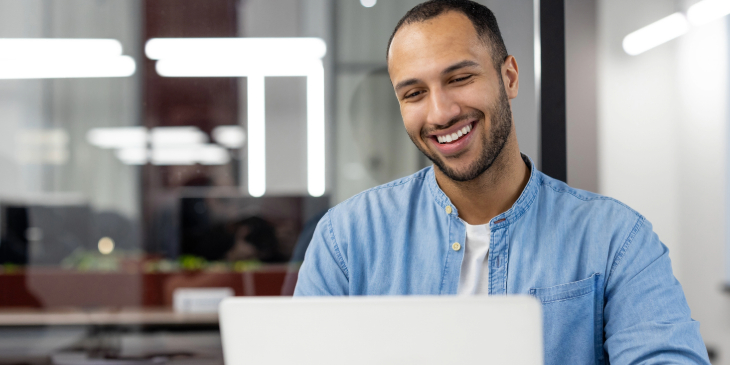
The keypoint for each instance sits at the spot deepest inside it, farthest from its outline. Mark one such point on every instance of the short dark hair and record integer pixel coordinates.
(483, 20)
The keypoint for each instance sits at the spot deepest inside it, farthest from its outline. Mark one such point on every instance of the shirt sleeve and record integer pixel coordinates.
(646, 316)
(323, 272)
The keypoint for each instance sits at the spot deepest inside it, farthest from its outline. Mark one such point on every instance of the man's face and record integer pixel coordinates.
(453, 101)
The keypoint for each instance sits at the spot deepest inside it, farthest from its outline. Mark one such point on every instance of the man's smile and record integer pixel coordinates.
(454, 140)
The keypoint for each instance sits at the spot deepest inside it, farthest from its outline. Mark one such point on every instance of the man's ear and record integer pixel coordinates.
(511, 77)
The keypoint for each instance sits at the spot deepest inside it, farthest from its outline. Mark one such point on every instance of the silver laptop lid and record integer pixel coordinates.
(382, 330)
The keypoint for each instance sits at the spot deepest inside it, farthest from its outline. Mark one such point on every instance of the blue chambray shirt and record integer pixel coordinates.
(603, 277)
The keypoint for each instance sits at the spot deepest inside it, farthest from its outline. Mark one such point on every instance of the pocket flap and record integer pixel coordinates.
(566, 291)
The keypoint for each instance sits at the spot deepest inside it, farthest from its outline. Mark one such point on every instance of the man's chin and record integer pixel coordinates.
(454, 171)
(459, 173)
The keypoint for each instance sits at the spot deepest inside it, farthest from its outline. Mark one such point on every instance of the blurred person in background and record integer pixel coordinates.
(255, 239)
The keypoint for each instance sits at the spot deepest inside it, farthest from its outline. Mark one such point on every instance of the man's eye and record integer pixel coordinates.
(413, 94)
(462, 78)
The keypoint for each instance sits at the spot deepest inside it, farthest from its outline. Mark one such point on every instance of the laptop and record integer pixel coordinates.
(382, 330)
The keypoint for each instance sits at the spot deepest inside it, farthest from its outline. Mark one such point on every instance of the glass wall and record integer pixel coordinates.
(152, 148)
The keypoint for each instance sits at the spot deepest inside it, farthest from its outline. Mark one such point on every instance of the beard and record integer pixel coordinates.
(501, 127)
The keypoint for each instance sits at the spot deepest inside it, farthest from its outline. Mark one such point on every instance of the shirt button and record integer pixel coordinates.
(448, 209)
(456, 246)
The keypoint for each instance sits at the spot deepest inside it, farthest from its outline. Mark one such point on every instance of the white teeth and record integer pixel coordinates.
(454, 136)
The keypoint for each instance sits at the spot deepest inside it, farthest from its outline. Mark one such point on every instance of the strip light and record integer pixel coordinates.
(169, 145)
(119, 137)
(256, 135)
(42, 58)
(294, 49)
(368, 3)
(656, 33)
(255, 59)
(675, 25)
(706, 11)
(64, 47)
(205, 154)
(231, 136)
(176, 136)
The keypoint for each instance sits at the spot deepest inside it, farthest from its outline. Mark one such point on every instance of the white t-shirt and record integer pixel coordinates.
(474, 278)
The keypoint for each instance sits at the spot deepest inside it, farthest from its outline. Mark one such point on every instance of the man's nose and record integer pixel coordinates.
(443, 108)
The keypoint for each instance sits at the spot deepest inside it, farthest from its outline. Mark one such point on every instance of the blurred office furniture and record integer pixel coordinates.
(214, 225)
(61, 288)
(14, 242)
(44, 233)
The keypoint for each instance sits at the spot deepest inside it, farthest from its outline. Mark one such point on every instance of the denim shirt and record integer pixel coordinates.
(604, 279)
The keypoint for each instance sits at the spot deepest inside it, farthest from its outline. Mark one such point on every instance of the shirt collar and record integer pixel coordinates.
(518, 208)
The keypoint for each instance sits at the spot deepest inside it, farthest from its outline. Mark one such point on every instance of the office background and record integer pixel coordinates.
(91, 226)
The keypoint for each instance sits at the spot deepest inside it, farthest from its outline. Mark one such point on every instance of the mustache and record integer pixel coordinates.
(476, 114)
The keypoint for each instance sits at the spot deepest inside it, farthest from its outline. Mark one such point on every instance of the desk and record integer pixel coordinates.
(47, 287)
(108, 336)
(103, 317)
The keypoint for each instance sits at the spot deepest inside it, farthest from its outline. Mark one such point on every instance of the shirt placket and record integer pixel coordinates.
(498, 259)
(454, 251)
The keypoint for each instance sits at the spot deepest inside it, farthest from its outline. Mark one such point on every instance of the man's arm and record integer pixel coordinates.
(324, 271)
(646, 316)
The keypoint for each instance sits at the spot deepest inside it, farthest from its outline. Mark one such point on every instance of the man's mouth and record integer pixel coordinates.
(455, 136)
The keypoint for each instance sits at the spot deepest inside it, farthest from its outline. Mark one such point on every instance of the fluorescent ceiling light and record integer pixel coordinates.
(368, 3)
(256, 135)
(133, 156)
(45, 138)
(176, 136)
(59, 47)
(230, 67)
(63, 68)
(706, 11)
(240, 48)
(315, 133)
(170, 145)
(43, 58)
(231, 136)
(655, 34)
(255, 59)
(124, 137)
(190, 155)
(211, 154)
(42, 146)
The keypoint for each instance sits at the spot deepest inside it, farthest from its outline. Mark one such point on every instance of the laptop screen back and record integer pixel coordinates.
(382, 330)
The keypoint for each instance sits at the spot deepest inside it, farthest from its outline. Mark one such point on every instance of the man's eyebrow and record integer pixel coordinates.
(405, 83)
(447, 70)
(459, 65)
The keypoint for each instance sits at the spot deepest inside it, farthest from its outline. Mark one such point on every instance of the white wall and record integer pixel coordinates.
(663, 145)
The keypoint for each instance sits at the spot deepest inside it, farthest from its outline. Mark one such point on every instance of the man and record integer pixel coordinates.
(483, 220)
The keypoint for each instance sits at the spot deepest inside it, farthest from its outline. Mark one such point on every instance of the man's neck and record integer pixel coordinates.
(493, 192)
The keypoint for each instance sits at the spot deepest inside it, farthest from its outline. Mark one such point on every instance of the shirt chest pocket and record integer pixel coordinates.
(573, 321)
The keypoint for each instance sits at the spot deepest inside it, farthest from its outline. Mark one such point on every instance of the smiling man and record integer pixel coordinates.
(483, 220)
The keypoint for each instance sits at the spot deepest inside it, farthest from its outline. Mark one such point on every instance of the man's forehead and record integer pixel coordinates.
(449, 33)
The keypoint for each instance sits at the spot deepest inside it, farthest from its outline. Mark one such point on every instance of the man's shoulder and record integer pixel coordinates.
(570, 200)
